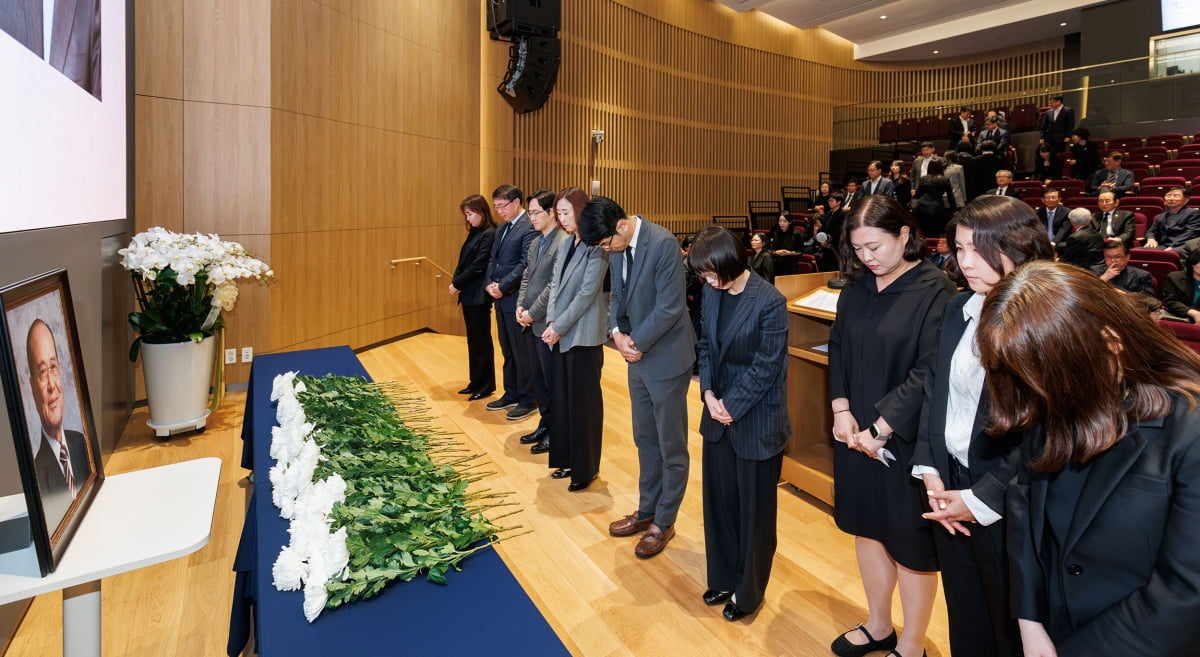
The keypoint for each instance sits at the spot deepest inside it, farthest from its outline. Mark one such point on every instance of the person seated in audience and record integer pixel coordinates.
(1181, 291)
(993, 132)
(941, 253)
(761, 262)
(1046, 165)
(833, 217)
(876, 183)
(827, 258)
(920, 166)
(1001, 120)
(1110, 221)
(1054, 216)
(1084, 155)
(1112, 177)
(962, 127)
(1116, 270)
(985, 166)
(934, 194)
(1177, 224)
(852, 194)
(807, 237)
(783, 238)
(822, 198)
(1003, 185)
(957, 177)
(900, 183)
(1083, 247)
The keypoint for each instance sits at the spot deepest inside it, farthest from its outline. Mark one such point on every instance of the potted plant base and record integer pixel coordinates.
(178, 377)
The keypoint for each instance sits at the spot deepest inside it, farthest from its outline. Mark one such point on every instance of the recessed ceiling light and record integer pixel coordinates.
(883, 18)
(1063, 24)
(936, 52)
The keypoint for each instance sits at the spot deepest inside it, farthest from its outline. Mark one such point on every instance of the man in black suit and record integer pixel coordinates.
(1116, 270)
(1084, 246)
(1003, 185)
(1054, 216)
(962, 126)
(993, 132)
(1085, 155)
(652, 331)
(1177, 224)
(876, 183)
(61, 461)
(941, 254)
(1057, 124)
(852, 194)
(510, 253)
(1110, 221)
(1112, 177)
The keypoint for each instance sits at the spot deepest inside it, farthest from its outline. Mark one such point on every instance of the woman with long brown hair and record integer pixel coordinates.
(467, 285)
(991, 237)
(884, 334)
(1104, 519)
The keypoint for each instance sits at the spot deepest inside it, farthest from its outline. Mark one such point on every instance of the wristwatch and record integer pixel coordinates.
(874, 431)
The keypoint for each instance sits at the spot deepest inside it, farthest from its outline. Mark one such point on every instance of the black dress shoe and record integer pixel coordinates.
(577, 486)
(561, 473)
(713, 598)
(534, 436)
(843, 648)
(733, 612)
(466, 391)
(476, 396)
(542, 447)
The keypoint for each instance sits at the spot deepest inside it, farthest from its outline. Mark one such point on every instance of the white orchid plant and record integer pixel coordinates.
(183, 282)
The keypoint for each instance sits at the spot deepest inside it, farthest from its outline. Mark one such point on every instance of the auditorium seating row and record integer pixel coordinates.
(1021, 118)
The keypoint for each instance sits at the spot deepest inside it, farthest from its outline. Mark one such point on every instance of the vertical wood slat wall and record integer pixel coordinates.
(697, 125)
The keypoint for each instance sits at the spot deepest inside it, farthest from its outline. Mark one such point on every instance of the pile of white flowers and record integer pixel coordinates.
(314, 554)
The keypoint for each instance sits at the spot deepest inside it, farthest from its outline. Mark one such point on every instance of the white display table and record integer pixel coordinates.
(137, 519)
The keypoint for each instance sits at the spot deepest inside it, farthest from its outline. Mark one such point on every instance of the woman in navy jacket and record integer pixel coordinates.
(1104, 519)
(743, 366)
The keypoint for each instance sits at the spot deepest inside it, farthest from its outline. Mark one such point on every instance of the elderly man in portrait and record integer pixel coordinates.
(61, 461)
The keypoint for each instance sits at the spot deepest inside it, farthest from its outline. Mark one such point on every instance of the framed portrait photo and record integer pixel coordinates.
(57, 448)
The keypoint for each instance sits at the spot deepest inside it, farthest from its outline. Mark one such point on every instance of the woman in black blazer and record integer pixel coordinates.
(1104, 518)
(468, 285)
(1179, 290)
(743, 365)
(991, 236)
(762, 263)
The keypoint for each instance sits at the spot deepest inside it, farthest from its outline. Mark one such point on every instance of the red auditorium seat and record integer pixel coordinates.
(1140, 225)
(1189, 150)
(1155, 255)
(908, 129)
(1186, 169)
(1023, 185)
(1171, 140)
(889, 132)
(1158, 185)
(1150, 206)
(930, 127)
(1090, 202)
(1141, 170)
(1124, 144)
(1069, 188)
(1155, 155)
(1187, 333)
(1024, 117)
(1034, 202)
(1158, 270)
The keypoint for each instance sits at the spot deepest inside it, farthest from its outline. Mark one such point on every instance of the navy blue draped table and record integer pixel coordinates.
(481, 610)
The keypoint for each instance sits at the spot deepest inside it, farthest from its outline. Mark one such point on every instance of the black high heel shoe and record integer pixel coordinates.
(561, 473)
(843, 648)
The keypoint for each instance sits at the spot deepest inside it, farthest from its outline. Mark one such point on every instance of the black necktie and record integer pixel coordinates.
(504, 232)
(628, 263)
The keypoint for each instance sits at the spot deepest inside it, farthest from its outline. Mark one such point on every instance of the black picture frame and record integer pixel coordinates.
(42, 387)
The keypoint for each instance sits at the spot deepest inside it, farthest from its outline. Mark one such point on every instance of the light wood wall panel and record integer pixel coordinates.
(158, 185)
(705, 108)
(226, 168)
(158, 64)
(227, 60)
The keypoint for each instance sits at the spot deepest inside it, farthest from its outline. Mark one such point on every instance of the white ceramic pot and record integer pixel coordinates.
(178, 377)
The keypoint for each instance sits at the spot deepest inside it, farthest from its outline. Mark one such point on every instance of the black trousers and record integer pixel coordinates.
(577, 420)
(740, 503)
(975, 582)
(480, 352)
(541, 376)
(518, 359)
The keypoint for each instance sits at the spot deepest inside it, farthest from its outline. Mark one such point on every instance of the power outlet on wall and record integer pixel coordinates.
(247, 354)
(230, 356)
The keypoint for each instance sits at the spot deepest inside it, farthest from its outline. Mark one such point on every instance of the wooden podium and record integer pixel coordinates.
(808, 461)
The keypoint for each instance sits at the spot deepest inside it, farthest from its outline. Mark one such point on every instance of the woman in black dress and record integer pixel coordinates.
(743, 365)
(880, 347)
(761, 262)
(992, 236)
(934, 194)
(783, 238)
(467, 285)
(901, 183)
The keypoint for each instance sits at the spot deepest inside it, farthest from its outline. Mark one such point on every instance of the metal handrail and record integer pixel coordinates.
(417, 261)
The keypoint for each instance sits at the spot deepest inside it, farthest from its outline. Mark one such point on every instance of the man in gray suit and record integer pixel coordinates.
(651, 329)
(876, 183)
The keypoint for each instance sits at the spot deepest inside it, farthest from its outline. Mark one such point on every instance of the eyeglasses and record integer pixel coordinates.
(537, 212)
(46, 373)
(504, 205)
(711, 279)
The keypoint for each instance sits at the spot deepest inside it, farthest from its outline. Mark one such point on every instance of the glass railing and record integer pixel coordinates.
(1116, 93)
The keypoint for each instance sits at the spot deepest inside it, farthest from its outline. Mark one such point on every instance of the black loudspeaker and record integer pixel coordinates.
(532, 72)
(518, 18)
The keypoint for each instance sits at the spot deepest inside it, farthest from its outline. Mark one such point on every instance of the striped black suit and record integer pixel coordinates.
(743, 360)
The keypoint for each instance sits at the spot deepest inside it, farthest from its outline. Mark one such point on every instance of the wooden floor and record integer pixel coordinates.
(600, 599)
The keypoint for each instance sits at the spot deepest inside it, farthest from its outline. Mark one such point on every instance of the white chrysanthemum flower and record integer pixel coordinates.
(315, 597)
(282, 383)
(289, 570)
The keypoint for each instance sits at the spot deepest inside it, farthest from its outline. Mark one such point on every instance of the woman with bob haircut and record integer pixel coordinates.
(880, 344)
(743, 367)
(991, 237)
(1104, 518)
(576, 330)
(467, 285)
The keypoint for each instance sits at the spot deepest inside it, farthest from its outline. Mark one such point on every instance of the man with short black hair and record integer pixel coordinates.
(1112, 177)
(962, 126)
(510, 252)
(920, 167)
(1057, 124)
(1177, 224)
(1054, 216)
(1119, 274)
(852, 193)
(651, 329)
(876, 183)
(1110, 221)
(993, 132)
